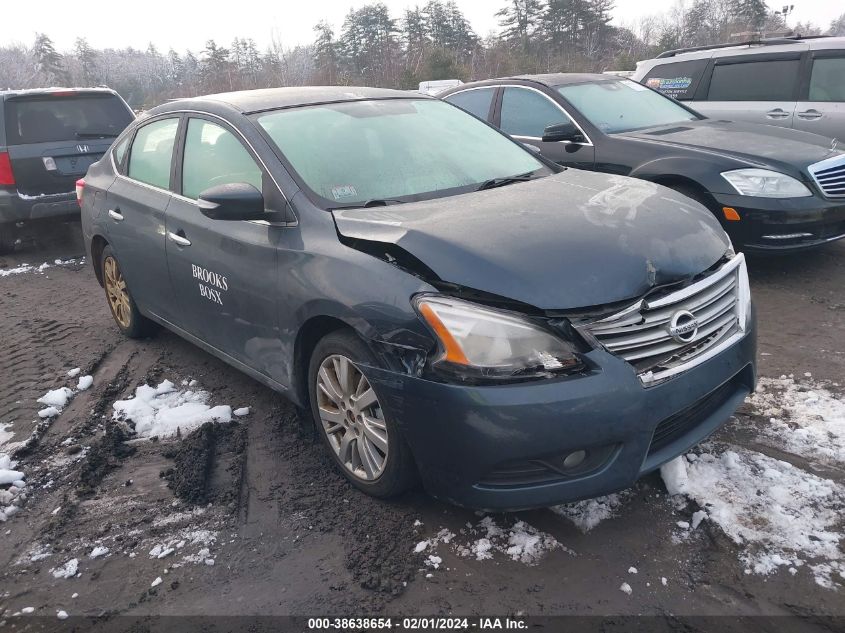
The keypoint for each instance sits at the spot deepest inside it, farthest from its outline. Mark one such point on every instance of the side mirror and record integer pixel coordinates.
(235, 201)
(563, 132)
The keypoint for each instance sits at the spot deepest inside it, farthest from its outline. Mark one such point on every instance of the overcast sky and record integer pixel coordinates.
(187, 24)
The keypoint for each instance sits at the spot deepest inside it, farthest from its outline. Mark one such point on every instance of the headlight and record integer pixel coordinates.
(765, 184)
(478, 342)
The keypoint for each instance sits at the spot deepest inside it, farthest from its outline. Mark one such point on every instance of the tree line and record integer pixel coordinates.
(429, 41)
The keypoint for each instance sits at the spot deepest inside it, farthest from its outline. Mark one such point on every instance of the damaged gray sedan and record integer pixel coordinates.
(448, 306)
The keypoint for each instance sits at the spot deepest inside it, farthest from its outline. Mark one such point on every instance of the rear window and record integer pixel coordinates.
(50, 118)
(827, 82)
(476, 101)
(678, 80)
(772, 80)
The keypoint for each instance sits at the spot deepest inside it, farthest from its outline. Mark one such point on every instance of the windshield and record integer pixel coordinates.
(622, 106)
(393, 150)
(65, 118)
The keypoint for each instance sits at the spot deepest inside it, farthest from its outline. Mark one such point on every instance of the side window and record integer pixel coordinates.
(772, 80)
(214, 156)
(152, 152)
(827, 81)
(475, 102)
(119, 152)
(678, 80)
(527, 113)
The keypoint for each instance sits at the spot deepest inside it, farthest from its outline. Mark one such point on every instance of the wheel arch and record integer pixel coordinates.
(309, 334)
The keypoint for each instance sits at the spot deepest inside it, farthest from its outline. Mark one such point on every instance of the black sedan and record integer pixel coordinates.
(445, 304)
(773, 189)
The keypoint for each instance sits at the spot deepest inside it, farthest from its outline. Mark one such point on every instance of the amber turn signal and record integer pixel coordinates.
(731, 214)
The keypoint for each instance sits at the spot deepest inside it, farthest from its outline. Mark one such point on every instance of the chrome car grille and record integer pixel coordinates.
(668, 334)
(830, 176)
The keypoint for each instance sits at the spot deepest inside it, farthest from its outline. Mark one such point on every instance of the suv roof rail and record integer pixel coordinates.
(770, 41)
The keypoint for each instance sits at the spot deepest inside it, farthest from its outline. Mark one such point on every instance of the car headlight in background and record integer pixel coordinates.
(765, 184)
(483, 343)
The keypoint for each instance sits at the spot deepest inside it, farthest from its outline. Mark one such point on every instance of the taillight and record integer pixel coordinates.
(7, 177)
(80, 187)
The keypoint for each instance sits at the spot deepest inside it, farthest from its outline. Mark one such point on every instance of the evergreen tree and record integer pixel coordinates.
(519, 20)
(87, 58)
(47, 60)
(325, 53)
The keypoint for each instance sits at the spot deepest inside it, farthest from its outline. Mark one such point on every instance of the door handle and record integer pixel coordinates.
(116, 215)
(777, 113)
(178, 239)
(810, 115)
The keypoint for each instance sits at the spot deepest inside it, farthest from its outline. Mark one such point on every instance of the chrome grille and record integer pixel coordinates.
(641, 335)
(830, 176)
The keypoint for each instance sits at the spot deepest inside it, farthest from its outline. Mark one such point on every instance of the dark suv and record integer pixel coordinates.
(48, 139)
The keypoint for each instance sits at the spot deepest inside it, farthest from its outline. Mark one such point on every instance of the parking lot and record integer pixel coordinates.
(250, 517)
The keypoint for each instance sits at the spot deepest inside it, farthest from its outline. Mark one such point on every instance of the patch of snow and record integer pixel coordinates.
(62, 615)
(162, 410)
(433, 561)
(9, 476)
(626, 588)
(663, 581)
(5, 434)
(156, 582)
(24, 268)
(697, 518)
(84, 383)
(56, 397)
(521, 542)
(73, 373)
(68, 570)
(48, 412)
(632, 570)
(420, 546)
(27, 609)
(805, 419)
(588, 513)
(781, 515)
(98, 551)
(241, 412)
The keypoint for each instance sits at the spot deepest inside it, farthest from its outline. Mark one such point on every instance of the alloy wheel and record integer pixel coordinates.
(117, 293)
(352, 417)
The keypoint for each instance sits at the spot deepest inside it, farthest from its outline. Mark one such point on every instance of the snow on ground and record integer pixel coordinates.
(165, 410)
(29, 268)
(804, 418)
(588, 513)
(781, 515)
(519, 542)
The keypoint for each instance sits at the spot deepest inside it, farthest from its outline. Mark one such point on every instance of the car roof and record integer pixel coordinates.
(34, 92)
(562, 79)
(782, 45)
(248, 101)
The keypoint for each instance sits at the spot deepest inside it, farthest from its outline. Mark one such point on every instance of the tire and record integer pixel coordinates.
(397, 471)
(123, 309)
(7, 238)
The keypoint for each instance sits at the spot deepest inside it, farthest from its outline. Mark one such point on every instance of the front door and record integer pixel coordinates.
(223, 272)
(758, 89)
(526, 112)
(135, 205)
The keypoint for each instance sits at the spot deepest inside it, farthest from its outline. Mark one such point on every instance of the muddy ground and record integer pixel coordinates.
(287, 535)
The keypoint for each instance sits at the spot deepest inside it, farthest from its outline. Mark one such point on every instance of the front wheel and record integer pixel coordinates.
(123, 309)
(364, 442)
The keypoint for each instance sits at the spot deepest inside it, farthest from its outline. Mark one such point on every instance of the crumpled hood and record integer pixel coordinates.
(572, 240)
(750, 142)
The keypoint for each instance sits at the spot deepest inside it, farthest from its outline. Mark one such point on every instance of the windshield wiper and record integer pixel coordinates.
(375, 202)
(95, 135)
(508, 180)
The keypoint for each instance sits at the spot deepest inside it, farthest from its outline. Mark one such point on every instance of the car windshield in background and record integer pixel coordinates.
(51, 118)
(386, 150)
(623, 106)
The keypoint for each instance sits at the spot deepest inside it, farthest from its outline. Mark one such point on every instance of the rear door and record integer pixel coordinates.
(759, 88)
(53, 138)
(822, 106)
(135, 206)
(524, 114)
(224, 272)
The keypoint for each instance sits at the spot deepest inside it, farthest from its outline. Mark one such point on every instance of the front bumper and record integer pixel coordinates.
(15, 208)
(781, 225)
(486, 447)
